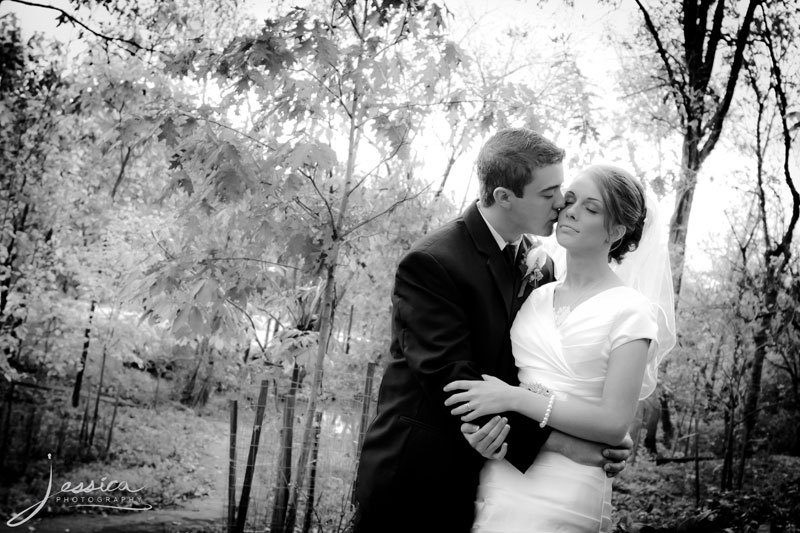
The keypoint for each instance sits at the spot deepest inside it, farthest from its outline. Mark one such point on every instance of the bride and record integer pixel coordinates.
(587, 348)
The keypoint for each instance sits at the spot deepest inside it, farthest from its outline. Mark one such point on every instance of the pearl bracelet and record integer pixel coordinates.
(547, 412)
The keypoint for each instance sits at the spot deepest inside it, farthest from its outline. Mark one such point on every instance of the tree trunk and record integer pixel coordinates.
(684, 197)
(651, 415)
(328, 302)
(284, 474)
(666, 420)
(762, 340)
(312, 477)
(726, 476)
(76, 391)
(97, 397)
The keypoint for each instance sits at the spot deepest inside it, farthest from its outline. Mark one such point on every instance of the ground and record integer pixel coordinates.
(205, 454)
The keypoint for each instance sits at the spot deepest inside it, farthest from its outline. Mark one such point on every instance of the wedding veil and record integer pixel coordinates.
(647, 269)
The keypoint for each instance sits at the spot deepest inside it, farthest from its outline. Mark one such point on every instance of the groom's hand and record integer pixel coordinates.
(616, 458)
(612, 460)
(489, 440)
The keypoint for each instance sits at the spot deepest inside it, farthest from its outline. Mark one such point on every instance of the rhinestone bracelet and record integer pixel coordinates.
(537, 388)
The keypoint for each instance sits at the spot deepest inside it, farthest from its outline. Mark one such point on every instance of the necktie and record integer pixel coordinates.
(510, 254)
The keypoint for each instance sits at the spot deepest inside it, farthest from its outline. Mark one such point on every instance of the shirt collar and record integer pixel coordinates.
(501, 242)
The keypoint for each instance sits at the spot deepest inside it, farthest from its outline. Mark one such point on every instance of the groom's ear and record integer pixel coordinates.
(501, 196)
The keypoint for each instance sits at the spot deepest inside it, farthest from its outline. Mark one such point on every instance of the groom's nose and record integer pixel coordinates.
(558, 203)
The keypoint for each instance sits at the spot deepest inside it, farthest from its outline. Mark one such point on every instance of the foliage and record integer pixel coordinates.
(650, 498)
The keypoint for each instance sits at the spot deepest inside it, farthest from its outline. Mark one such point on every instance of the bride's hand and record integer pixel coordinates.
(479, 398)
(489, 440)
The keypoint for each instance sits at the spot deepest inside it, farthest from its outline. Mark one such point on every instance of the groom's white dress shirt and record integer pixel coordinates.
(501, 242)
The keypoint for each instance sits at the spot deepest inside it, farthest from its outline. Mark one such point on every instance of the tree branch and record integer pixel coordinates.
(385, 211)
(229, 128)
(74, 21)
(252, 324)
(715, 124)
(784, 248)
(662, 51)
(123, 164)
(322, 196)
(264, 261)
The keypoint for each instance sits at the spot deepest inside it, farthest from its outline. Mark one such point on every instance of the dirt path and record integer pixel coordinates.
(204, 514)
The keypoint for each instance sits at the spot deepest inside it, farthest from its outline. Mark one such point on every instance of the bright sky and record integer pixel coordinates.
(587, 28)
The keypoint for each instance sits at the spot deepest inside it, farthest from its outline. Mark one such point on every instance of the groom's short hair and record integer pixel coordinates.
(509, 158)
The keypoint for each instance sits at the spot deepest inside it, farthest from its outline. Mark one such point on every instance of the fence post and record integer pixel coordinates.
(83, 437)
(97, 397)
(30, 431)
(9, 404)
(366, 407)
(312, 477)
(283, 475)
(111, 427)
(244, 499)
(232, 467)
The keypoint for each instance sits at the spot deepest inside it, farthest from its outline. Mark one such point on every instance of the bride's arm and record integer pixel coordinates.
(607, 421)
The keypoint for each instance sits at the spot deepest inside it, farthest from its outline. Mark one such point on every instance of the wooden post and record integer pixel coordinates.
(232, 467)
(244, 499)
(62, 432)
(697, 462)
(28, 439)
(111, 427)
(158, 384)
(97, 397)
(9, 404)
(349, 331)
(76, 391)
(366, 407)
(312, 476)
(283, 475)
(84, 434)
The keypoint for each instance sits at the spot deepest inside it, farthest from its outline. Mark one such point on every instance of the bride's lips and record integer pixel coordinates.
(564, 226)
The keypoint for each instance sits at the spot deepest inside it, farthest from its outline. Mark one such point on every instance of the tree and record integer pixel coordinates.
(774, 90)
(692, 41)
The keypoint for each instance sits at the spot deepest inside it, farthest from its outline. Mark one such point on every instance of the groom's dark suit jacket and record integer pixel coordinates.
(453, 303)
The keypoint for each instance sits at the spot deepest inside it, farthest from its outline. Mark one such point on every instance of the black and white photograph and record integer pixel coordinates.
(399, 266)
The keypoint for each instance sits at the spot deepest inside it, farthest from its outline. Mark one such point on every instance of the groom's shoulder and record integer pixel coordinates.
(449, 238)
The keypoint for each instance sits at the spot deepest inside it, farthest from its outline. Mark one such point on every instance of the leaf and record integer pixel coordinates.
(208, 292)
(195, 320)
(168, 132)
(311, 154)
(327, 51)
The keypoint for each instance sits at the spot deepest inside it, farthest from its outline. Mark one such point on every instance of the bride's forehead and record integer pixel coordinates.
(583, 185)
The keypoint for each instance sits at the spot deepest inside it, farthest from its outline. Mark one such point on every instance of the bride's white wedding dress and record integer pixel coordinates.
(567, 353)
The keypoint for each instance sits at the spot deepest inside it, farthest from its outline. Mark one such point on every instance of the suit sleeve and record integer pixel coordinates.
(433, 327)
(435, 338)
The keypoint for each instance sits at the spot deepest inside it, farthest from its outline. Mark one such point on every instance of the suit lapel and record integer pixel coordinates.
(495, 262)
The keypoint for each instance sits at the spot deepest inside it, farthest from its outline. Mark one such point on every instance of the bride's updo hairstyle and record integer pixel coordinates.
(624, 200)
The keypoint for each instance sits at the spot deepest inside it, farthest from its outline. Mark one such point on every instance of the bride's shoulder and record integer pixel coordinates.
(631, 300)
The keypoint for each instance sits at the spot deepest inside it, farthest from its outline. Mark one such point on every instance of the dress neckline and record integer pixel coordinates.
(561, 314)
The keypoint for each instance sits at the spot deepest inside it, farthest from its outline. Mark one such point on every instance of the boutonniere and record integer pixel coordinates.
(531, 268)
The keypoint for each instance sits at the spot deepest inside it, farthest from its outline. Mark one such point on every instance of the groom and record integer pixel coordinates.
(455, 296)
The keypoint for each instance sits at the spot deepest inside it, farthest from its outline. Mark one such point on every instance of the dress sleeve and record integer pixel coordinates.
(637, 320)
